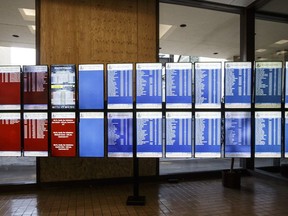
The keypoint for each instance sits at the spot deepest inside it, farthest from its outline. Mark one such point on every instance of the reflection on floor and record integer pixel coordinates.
(17, 170)
(18, 174)
(207, 197)
(171, 166)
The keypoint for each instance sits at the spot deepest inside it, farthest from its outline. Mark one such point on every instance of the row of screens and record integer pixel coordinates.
(90, 89)
(179, 134)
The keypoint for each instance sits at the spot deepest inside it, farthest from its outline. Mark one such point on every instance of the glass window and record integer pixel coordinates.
(17, 47)
(189, 34)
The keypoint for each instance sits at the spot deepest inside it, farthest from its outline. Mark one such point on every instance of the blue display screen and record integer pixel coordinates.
(91, 134)
(119, 82)
(238, 84)
(149, 134)
(120, 135)
(208, 134)
(149, 85)
(286, 85)
(268, 84)
(208, 85)
(237, 134)
(286, 135)
(178, 134)
(178, 85)
(267, 134)
(91, 86)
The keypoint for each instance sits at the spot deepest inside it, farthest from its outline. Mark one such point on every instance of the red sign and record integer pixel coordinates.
(10, 134)
(35, 134)
(35, 87)
(9, 82)
(63, 137)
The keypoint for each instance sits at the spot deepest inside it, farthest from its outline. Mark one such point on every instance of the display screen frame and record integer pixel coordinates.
(36, 146)
(38, 100)
(114, 101)
(263, 100)
(232, 101)
(68, 146)
(202, 150)
(148, 81)
(234, 151)
(187, 144)
(174, 98)
(213, 68)
(142, 150)
(85, 149)
(63, 87)
(90, 90)
(260, 147)
(10, 81)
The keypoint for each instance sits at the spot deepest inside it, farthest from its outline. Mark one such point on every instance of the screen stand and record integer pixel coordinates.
(135, 199)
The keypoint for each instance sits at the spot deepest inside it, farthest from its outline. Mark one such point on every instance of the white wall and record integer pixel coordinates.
(5, 55)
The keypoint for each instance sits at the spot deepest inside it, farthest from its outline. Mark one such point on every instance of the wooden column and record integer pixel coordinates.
(95, 31)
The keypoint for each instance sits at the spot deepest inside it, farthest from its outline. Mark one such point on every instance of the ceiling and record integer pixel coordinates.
(207, 33)
(12, 23)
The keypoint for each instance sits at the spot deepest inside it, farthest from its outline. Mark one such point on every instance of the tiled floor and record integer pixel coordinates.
(256, 197)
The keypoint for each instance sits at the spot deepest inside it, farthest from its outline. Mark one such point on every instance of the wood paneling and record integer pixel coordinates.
(95, 31)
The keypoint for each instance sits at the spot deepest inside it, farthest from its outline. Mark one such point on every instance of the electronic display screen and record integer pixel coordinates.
(35, 87)
(238, 84)
(178, 134)
(62, 86)
(149, 134)
(238, 134)
(119, 82)
(10, 82)
(208, 85)
(286, 85)
(178, 85)
(36, 134)
(10, 135)
(91, 86)
(286, 135)
(208, 134)
(148, 85)
(268, 134)
(91, 134)
(120, 134)
(63, 134)
(268, 84)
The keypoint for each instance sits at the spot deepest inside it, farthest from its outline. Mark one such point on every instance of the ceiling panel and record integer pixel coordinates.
(207, 32)
(12, 23)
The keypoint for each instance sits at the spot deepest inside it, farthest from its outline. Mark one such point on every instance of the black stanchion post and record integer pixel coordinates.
(135, 199)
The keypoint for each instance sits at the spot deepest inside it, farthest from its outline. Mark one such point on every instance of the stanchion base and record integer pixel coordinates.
(136, 200)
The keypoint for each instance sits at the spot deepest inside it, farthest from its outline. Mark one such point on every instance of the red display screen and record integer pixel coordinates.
(10, 134)
(63, 137)
(10, 87)
(35, 134)
(35, 87)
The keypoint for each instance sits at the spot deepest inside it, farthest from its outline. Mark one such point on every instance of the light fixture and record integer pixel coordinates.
(32, 28)
(262, 59)
(281, 52)
(260, 50)
(163, 29)
(28, 14)
(281, 42)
